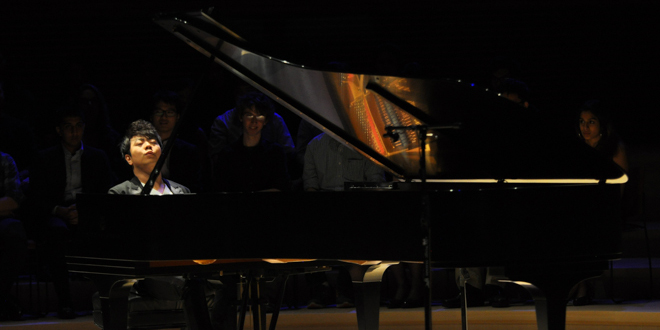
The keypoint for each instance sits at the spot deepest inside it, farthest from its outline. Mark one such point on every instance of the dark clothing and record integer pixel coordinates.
(12, 256)
(17, 139)
(184, 165)
(48, 178)
(10, 183)
(226, 130)
(107, 140)
(53, 236)
(241, 169)
(48, 181)
(12, 234)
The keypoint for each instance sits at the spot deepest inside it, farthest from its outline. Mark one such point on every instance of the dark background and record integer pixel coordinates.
(568, 51)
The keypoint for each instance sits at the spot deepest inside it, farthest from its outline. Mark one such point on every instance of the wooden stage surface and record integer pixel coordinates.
(630, 315)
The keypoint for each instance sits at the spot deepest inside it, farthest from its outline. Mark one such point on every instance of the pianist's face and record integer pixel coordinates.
(590, 128)
(253, 122)
(144, 153)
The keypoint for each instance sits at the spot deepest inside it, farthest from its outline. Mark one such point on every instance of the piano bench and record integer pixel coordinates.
(149, 313)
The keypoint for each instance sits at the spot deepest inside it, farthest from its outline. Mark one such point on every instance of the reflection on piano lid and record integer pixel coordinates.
(487, 138)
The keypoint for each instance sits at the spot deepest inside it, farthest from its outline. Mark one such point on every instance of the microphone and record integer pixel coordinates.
(391, 134)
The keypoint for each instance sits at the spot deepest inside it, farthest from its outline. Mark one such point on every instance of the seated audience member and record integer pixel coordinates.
(12, 237)
(227, 128)
(100, 133)
(251, 163)
(595, 128)
(184, 162)
(328, 164)
(141, 147)
(306, 132)
(196, 108)
(56, 176)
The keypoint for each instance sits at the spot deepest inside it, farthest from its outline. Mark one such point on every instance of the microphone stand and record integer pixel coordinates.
(426, 210)
(426, 227)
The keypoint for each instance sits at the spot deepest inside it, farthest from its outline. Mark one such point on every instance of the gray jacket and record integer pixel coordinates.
(134, 187)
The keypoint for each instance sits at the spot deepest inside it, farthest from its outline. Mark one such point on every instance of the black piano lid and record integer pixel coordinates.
(496, 140)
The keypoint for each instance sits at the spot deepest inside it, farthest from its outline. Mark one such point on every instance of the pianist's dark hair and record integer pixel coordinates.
(261, 103)
(167, 97)
(139, 127)
(609, 141)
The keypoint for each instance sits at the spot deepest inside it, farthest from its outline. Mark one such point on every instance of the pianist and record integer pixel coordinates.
(141, 148)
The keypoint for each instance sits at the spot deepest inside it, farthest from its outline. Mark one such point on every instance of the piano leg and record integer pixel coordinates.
(252, 293)
(195, 307)
(258, 311)
(113, 294)
(244, 301)
(366, 283)
(550, 293)
(280, 297)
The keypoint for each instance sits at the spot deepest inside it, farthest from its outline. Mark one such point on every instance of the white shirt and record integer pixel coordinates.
(166, 190)
(72, 163)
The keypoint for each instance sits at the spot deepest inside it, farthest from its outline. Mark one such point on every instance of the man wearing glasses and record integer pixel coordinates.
(184, 162)
(227, 128)
(252, 162)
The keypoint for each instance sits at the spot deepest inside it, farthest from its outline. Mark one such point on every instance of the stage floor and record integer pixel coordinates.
(640, 315)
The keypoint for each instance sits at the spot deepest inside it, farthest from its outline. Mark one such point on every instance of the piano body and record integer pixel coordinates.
(550, 200)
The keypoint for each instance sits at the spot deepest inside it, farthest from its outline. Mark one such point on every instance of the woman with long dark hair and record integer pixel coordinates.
(595, 128)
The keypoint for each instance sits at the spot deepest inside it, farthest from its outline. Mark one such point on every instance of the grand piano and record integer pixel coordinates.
(468, 170)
